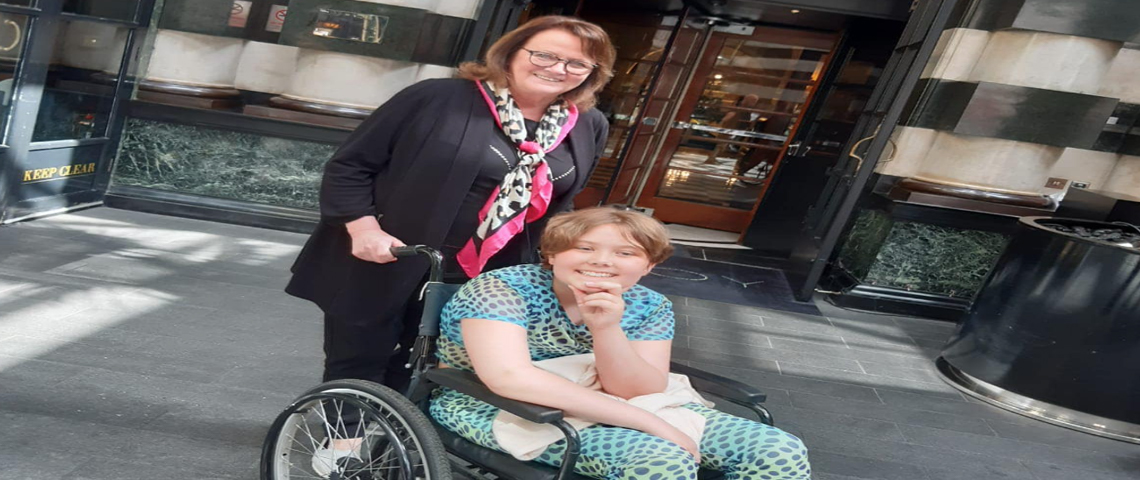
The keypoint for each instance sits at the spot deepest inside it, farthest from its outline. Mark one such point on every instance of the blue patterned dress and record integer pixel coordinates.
(524, 295)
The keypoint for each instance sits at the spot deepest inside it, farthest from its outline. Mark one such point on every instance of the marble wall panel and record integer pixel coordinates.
(912, 145)
(221, 163)
(1085, 166)
(935, 259)
(459, 8)
(349, 80)
(989, 163)
(266, 67)
(195, 59)
(424, 4)
(1125, 178)
(428, 70)
(956, 53)
(1121, 80)
(938, 104)
(1036, 115)
(863, 242)
(92, 46)
(1116, 130)
(1117, 20)
(1045, 60)
(207, 17)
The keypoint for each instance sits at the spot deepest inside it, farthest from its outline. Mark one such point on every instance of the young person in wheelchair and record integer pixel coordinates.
(584, 298)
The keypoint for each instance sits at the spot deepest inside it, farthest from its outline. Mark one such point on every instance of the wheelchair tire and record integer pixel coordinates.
(384, 414)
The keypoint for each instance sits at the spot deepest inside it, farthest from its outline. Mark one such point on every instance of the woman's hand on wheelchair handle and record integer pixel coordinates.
(371, 243)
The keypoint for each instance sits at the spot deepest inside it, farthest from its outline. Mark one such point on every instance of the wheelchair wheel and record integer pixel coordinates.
(396, 441)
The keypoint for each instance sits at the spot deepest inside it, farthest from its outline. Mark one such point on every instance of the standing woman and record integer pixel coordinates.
(471, 166)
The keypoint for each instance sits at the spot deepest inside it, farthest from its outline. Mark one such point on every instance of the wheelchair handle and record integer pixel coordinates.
(432, 254)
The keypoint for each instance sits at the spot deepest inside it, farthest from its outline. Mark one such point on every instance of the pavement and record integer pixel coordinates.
(139, 346)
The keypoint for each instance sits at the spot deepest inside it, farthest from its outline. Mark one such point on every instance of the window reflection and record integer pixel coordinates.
(13, 32)
(116, 9)
(744, 116)
(19, 3)
(81, 82)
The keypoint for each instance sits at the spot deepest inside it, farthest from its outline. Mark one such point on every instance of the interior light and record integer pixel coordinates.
(718, 76)
(795, 10)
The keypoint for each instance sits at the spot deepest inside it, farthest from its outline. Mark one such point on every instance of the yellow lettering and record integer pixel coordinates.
(51, 172)
(28, 175)
(65, 170)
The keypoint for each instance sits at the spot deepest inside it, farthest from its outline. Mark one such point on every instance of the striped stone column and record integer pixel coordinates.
(1018, 92)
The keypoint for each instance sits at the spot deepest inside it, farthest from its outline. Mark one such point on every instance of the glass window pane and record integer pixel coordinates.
(13, 34)
(19, 3)
(116, 9)
(81, 82)
(745, 114)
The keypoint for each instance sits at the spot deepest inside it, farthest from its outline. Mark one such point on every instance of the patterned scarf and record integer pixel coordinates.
(525, 192)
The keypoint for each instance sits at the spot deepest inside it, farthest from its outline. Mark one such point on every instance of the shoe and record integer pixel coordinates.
(326, 460)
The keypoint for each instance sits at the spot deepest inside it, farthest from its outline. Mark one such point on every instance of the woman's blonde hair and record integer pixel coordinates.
(596, 43)
(644, 231)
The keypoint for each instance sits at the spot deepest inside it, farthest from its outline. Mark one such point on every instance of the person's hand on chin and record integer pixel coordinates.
(599, 303)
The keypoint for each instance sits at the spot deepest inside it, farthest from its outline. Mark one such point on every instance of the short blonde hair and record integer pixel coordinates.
(646, 232)
(496, 66)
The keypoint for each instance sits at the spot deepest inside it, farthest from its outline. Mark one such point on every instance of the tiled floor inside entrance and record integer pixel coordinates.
(136, 346)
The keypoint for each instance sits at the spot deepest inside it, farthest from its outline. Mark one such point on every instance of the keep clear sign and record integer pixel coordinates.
(56, 173)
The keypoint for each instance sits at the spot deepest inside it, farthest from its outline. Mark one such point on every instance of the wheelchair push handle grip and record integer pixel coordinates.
(408, 251)
(432, 254)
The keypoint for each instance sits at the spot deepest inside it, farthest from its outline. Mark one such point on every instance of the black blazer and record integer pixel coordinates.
(407, 164)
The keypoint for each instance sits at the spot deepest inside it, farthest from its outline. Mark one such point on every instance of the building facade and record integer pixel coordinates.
(879, 150)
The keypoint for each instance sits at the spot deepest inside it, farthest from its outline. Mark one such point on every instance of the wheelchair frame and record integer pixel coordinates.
(426, 377)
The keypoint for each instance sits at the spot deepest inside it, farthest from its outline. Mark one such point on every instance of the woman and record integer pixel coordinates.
(427, 168)
(472, 167)
(584, 299)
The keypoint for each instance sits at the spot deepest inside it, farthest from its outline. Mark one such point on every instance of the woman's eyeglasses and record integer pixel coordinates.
(547, 59)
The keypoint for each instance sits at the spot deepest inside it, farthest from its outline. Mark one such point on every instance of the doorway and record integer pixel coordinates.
(66, 67)
(746, 99)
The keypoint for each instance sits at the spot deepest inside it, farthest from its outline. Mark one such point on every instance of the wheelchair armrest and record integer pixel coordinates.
(717, 385)
(468, 383)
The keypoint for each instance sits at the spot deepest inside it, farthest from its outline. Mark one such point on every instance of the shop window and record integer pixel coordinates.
(13, 35)
(322, 62)
(297, 75)
(112, 9)
(81, 82)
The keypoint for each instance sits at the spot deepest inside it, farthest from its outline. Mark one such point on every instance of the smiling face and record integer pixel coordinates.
(602, 254)
(544, 84)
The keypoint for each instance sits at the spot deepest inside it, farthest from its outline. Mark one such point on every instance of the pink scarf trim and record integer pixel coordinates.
(472, 259)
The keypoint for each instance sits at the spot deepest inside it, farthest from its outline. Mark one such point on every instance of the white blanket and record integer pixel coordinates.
(526, 440)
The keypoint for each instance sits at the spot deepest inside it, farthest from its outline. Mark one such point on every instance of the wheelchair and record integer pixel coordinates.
(398, 439)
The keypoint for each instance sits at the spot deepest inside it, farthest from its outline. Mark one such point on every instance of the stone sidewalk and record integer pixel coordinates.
(136, 346)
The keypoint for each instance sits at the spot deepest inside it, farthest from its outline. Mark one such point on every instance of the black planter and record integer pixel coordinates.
(1055, 332)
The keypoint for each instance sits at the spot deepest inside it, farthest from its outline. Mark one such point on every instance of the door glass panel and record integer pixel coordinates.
(13, 35)
(750, 102)
(81, 82)
(116, 9)
(19, 3)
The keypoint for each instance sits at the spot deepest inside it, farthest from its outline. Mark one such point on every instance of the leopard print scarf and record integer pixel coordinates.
(525, 192)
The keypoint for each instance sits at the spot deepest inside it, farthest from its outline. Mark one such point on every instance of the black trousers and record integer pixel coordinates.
(374, 348)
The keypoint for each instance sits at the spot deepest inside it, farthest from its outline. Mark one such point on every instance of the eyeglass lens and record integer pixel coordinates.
(544, 59)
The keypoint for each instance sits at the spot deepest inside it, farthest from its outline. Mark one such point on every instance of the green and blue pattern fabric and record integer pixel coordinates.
(523, 295)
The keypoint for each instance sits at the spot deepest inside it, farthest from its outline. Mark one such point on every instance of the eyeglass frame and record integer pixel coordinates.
(563, 61)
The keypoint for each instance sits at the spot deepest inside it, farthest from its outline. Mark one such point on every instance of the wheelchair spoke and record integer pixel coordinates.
(386, 445)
